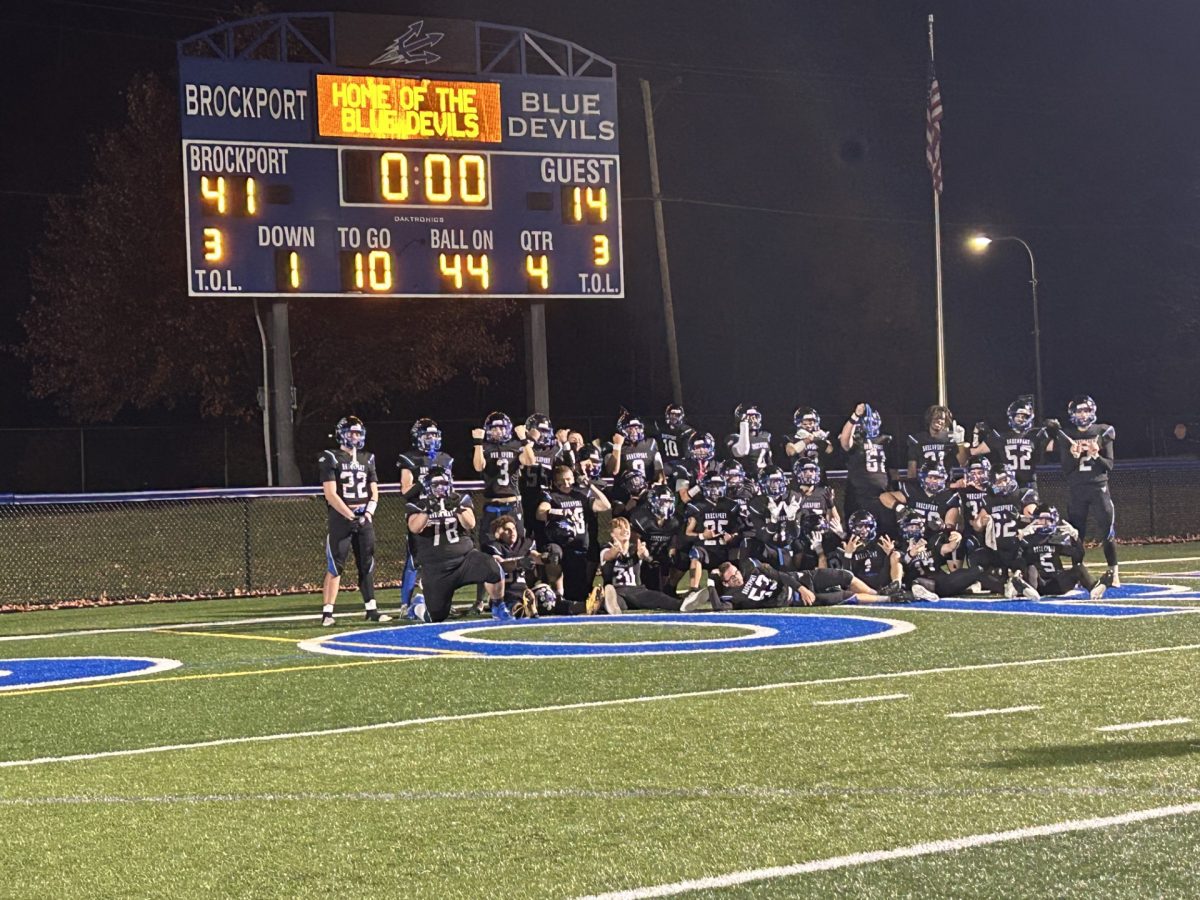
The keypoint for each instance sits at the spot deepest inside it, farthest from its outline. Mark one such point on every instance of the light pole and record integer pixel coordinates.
(979, 243)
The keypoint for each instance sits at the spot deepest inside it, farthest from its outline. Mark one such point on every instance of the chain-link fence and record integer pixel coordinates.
(225, 543)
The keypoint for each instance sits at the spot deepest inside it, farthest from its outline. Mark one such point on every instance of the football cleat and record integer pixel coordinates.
(501, 613)
(695, 600)
(614, 603)
(1010, 589)
(923, 593)
(374, 615)
(594, 602)
(327, 620)
(1020, 586)
(417, 611)
(1116, 577)
(1101, 586)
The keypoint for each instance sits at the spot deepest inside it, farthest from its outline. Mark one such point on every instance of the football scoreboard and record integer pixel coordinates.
(362, 177)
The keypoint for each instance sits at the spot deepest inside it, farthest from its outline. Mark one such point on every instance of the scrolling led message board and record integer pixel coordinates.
(407, 157)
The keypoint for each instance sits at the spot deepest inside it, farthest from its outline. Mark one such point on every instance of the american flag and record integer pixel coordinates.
(933, 131)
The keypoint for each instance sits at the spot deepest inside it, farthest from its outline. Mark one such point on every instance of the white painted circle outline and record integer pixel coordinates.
(465, 635)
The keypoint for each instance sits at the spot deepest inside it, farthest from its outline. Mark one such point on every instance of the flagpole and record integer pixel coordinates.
(937, 231)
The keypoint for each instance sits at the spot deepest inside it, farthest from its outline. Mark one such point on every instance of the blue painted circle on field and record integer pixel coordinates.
(44, 671)
(763, 631)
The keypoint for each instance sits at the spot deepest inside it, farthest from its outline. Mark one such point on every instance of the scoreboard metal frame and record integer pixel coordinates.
(351, 155)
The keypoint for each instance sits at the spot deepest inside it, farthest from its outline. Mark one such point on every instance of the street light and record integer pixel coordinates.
(979, 243)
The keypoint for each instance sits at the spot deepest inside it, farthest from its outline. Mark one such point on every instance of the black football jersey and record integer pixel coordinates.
(352, 472)
(1085, 471)
(443, 538)
(1054, 552)
(659, 537)
(674, 444)
(775, 522)
(625, 569)
(501, 468)
(1006, 512)
(687, 474)
(759, 455)
(762, 587)
(535, 479)
(868, 559)
(566, 523)
(819, 500)
(1019, 452)
(926, 448)
(505, 552)
(916, 497)
(723, 517)
(640, 457)
(919, 563)
(867, 466)
(420, 463)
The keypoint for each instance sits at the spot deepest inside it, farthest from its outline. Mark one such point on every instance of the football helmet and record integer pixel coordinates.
(632, 427)
(774, 482)
(863, 525)
(545, 598)
(587, 460)
(933, 478)
(1020, 416)
(704, 447)
(497, 428)
(912, 525)
(351, 432)
(734, 472)
(1045, 519)
(674, 416)
(542, 431)
(807, 472)
(872, 423)
(437, 482)
(426, 436)
(979, 472)
(634, 482)
(1004, 482)
(748, 412)
(712, 486)
(935, 522)
(805, 418)
(1082, 411)
(661, 501)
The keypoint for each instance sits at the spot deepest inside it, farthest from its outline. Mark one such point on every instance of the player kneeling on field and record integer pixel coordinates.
(439, 525)
(749, 584)
(520, 562)
(621, 567)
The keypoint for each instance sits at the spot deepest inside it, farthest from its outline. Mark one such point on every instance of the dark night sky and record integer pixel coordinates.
(800, 224)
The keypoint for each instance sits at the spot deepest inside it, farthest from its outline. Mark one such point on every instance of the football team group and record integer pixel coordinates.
(697, 525)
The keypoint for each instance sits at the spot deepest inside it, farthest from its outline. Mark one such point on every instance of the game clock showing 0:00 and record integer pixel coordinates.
(361, 208)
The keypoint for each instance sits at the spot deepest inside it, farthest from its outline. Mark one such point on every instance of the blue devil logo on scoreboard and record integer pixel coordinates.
(411, 48)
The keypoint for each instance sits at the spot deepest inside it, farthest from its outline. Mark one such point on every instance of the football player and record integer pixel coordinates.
(943, 442)
(351, 488)
(562, 513)
(413, 466)
(621, 565)
(631, 450)
(816, 498)
(540, 453)
(774, 516)
(1008, 508)
(868, 466)
(519, 561)
(440, 522)
(810, 441)
(1020, 447)
(702, 459)
(1086, 452)
(925, 550)
(1055, 556)
(929, 493)
(659, 529)
(751, 445)
(871, 558)
(750, 584)
(497, 457)
(675, 436)
(714, 522)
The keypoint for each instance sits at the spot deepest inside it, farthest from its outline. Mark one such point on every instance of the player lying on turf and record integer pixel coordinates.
(749, 584)
(621, 567)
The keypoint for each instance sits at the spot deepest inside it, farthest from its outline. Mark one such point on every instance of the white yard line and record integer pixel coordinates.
(1134, 726)
(849, 700)
(591, 704)
(928, 848)
(141, 628)
(991, 712)
(1149, 562)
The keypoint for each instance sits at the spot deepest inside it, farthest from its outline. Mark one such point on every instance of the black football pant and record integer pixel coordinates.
(1087, 500)
(1061, 582)
(441, 578)
(637, 597)
(344, 537)
(951, 584)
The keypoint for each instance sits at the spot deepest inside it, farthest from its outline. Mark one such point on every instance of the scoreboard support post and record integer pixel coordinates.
(283, 438)
(537, 370)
